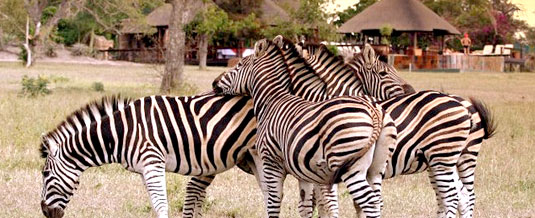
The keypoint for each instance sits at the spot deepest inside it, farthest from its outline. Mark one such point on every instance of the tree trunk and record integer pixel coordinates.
(203, 51)
(41, 33)
(182, 12)
(27, 46)
(174, 73)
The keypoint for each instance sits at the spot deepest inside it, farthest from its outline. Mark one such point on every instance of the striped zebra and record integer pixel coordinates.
(304, 83)
(198, 136)
(437, 132)
(319, 143)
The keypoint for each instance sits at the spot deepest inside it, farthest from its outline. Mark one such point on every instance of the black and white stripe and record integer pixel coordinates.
(199, 136)
(318, 143)
(436, 132)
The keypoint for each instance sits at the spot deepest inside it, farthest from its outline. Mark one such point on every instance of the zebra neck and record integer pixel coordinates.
(339, 77)
(305, 82)
(270, 85)
(95, 144)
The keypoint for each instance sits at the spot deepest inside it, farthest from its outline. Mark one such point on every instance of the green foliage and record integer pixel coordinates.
(98, 87)
(350, 12)
(386, 30)
(212, 20)
(15, 17)
(288, 29)
(333, 49)
(34, 86)
(309, 20)
(23, 55)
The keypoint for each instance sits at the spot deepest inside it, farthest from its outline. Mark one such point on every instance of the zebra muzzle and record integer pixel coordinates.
(51, 212)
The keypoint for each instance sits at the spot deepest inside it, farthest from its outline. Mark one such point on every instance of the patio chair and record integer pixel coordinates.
(498, 50)
(487, 50)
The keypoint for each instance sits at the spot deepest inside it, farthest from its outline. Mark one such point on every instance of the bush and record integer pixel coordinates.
(98, 86)
(80, 49)
(34, 86)
(23, 55)
(333, 49)
(50, 51)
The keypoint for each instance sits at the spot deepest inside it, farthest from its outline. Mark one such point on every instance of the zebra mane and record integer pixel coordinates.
(84, 117)
(323, 49)
(300, 60)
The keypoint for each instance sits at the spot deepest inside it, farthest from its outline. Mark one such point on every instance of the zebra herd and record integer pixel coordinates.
(286, 109)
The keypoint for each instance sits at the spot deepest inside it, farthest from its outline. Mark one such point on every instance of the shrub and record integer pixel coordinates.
(98, 86)
(50, 51)
(23, 55)
(34, 86)
(333, 49)
(80, 49)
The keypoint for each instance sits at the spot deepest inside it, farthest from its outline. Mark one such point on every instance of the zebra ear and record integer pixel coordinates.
(368, 53)
(299, 48)
(50, 146)
(279, 41)
(259, 47)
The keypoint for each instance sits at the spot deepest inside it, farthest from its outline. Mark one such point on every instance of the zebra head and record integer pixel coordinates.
(60, 179)
(379, 79)
(239, 79)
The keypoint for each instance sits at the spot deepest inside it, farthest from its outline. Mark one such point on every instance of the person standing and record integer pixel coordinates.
(466, 42)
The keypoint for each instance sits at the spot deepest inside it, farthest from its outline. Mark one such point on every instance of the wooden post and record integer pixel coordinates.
(415, 42)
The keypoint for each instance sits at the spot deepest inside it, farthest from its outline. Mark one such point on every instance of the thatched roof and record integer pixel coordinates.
(402, 15)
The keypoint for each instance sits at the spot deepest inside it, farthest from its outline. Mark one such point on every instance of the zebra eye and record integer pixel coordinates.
(383, 73)
(46, 173)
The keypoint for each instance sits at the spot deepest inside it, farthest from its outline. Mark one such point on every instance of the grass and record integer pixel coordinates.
(505, 183)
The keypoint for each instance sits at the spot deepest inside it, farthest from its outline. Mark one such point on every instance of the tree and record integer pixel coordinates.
(350, 12)
(208, 22)
(309, 20)
(181, 13)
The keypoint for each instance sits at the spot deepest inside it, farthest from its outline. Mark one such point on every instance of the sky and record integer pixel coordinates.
(527, 7)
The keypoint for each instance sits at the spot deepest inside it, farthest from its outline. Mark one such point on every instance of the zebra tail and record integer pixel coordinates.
(377, 118)
(487, 120)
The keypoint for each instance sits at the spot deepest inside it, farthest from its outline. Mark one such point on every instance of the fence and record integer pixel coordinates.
(459, 63)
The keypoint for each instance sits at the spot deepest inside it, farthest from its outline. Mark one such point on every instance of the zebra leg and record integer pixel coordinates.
(274, 176)
(327, 200)
(364, 197)
(467, 197)
(195, 194)
(306, 201)
(154, 178)
(445, 181)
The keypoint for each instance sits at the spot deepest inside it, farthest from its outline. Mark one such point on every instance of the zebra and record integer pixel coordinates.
(290, 138)
(312, 90)
(196, 135)
(304, 83)
(456, 163)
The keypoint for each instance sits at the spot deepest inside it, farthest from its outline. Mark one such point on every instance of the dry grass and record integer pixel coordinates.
(505, 183)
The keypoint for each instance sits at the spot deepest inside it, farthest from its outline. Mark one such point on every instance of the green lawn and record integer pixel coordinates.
(505, 183)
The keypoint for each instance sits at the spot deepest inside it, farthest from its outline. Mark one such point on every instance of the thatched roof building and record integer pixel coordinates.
(401, 15)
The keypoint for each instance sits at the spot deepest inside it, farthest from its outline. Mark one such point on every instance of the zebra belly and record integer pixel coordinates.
(428, 123)
(319, 151)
